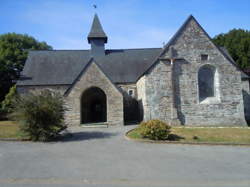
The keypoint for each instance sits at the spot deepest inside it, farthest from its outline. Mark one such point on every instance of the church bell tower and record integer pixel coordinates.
(97, 38)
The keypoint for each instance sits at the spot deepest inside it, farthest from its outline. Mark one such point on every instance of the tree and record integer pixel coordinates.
(7, 104)
(13, 53)
(237, 42)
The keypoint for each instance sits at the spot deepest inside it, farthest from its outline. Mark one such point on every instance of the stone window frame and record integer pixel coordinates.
(133, 92)
(216, 98)
(204, 55)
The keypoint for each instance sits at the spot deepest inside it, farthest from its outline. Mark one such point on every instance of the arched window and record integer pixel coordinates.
(207, 83)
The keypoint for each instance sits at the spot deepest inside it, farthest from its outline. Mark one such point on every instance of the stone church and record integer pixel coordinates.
(190, 81)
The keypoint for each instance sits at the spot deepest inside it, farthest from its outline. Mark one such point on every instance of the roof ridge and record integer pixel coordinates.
(137, 48)
(55, 50)
(178, 32)
(172, 39)
(52, 50)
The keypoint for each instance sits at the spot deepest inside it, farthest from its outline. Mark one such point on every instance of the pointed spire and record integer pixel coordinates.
(96, 31)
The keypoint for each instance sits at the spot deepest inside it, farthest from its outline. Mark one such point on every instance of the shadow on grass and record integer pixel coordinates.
(174, 137)
(81, 136)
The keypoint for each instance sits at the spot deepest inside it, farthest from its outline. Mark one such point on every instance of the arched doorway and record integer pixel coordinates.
(93, 106)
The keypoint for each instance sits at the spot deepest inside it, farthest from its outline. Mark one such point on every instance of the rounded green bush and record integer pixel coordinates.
(155, 130)
(40, 115)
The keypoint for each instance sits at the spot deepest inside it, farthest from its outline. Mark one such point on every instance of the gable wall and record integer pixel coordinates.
(190, 45)
(94, 77)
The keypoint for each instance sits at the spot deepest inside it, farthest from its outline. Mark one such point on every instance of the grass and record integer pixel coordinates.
(228, 135)
(9, 129)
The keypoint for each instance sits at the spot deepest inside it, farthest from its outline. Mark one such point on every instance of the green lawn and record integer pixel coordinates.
(205, 135)
(9, 129)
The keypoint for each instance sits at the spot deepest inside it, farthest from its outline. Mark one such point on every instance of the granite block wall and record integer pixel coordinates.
(94, 77)
(224, 109)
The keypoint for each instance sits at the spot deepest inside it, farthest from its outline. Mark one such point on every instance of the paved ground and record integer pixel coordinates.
(103, 158)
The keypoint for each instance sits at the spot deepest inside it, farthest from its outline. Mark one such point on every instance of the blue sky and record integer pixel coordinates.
(65, 24)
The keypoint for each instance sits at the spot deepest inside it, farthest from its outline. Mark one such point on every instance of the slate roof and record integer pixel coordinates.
(96, 31)
(61, 67)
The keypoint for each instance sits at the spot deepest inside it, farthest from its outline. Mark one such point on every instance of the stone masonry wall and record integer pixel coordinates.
(190, 44)
(94, 77)
(141, 96)
(246, 98)
(131, 104)
(158, 93)
(126, 87)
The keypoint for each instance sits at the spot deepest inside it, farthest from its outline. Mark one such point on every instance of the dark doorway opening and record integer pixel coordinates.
(93, 106)
(131, 111)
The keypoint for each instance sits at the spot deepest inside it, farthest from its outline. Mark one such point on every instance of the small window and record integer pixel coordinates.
(131, 92)
(204, 57)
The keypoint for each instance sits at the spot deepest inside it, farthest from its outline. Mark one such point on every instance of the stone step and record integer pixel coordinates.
(95, 125)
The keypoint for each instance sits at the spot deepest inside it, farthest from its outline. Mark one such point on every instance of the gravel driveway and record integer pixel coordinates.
(102, 157)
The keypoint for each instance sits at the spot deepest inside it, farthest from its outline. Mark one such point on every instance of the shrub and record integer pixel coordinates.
(7, 104)
(3, 114)
(155, 130)
(40, 115)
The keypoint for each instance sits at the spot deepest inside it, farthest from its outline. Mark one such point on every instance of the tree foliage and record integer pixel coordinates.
(40, 115)
(9, 100)
(237, 42)
(13, 53)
